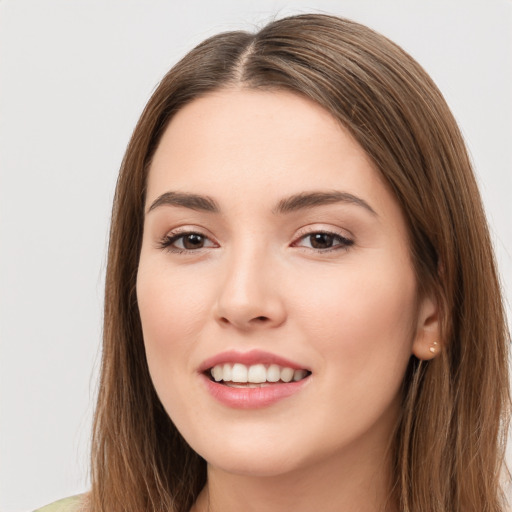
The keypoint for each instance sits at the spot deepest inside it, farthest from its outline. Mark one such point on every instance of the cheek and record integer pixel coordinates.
(170, 307)
(171, 315)
(363, 318)
(362, 328)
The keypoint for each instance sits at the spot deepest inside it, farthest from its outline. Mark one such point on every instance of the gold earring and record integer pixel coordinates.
(433, 348)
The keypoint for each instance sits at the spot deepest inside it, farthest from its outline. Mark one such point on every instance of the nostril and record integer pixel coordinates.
(261, 318)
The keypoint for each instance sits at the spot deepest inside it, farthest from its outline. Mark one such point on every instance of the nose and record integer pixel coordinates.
(249, 296)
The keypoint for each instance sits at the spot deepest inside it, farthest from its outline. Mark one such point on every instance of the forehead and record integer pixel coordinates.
(249, 143)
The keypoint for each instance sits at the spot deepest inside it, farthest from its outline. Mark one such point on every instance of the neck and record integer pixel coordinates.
(360, 484)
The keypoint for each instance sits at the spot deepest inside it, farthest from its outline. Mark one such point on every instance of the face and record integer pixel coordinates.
(273, 252)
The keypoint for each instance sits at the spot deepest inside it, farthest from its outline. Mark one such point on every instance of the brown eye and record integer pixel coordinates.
(193, 241)
(321, 240)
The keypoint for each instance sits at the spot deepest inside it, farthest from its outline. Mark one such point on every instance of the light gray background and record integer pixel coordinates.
(74, 76)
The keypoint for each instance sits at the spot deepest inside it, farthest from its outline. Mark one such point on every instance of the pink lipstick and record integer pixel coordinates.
(252, 379)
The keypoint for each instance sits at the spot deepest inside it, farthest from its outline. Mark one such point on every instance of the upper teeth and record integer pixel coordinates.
(256, 373)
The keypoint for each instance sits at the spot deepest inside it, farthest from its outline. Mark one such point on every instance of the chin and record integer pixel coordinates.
(255, 466)
(251, 455)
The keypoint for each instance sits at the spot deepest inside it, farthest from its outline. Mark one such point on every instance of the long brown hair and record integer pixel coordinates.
(448, 451)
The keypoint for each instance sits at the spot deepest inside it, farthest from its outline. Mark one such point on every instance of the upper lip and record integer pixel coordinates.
(249, 358)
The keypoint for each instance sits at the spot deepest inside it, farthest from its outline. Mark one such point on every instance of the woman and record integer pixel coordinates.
(302, 307)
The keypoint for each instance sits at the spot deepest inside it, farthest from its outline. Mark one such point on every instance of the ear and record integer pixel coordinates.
(427, 343)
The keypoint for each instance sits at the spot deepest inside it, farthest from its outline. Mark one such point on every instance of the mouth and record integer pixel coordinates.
(238, 375)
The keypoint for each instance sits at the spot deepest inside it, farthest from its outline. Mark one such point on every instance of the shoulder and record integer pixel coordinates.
(71, 504)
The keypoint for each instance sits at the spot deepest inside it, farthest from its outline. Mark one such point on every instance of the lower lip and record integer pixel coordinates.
(252, 398)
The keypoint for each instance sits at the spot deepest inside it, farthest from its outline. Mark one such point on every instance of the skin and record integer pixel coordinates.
(349, 313)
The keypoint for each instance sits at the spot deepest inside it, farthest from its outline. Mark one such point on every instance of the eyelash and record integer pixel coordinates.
(343, 243)
(168, 240)
(166, 243)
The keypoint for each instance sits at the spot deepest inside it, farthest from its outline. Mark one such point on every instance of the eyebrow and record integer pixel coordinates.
(311, 199)
(296, 202)
(186, 200)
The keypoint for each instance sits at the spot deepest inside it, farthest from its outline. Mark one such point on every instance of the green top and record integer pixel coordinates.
(70, 504)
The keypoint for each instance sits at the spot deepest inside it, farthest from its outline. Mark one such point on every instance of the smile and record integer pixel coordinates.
(255, 375)
(253, 379)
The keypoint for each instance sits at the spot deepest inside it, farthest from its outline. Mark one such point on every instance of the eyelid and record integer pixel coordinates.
(323, 228)
(190, 228)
